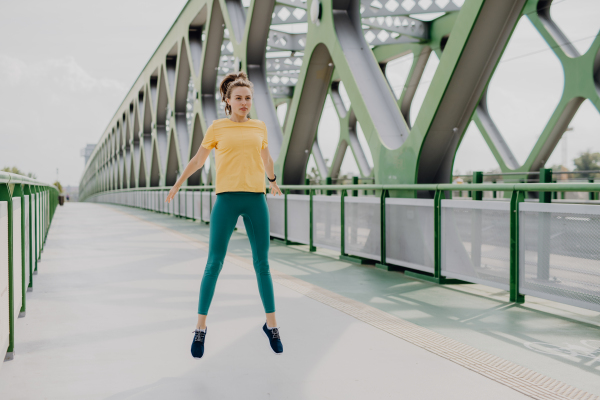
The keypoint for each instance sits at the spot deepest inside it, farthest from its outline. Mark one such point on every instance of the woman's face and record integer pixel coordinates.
(240, 101)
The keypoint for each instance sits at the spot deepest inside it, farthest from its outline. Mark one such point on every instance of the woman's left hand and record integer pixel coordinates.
(274, 189)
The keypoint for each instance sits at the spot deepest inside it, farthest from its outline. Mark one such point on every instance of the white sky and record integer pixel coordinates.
(65, 66)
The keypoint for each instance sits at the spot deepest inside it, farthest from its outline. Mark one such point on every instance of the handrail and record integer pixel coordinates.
(506, 187)
(43, 200)
(10, 178)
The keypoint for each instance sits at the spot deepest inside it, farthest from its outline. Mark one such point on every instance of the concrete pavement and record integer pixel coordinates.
(114, 305)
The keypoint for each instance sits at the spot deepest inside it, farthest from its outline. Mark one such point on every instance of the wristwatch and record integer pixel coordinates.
(272, 180)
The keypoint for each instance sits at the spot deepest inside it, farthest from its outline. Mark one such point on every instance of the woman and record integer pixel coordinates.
(242, 157)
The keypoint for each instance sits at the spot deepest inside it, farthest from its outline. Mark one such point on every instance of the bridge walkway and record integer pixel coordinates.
(115, 299)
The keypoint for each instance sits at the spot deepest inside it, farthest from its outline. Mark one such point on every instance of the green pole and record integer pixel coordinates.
(437, 234)
(591, 194)
(544, 228)
(311, 247)
(37, 225)
(516, 198)
(18, 192)
(41, 224)
(210, 203)
(476, 243)
(328, 182)
(285, 213)
(44, 217)
(545, 177)
(46, 213)
(28, 192)
(343, 222)
(355, 182)
(5, 195)
(383, 240)
(477, 178)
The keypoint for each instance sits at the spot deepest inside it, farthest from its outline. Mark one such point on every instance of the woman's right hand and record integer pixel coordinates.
(172, 193)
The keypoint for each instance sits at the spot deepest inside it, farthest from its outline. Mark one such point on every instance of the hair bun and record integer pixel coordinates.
(231, 80)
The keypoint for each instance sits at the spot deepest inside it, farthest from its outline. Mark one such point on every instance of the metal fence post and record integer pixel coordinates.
(328, 182)
(477, 178)
(210, 204)
(311, 247)
(476, 226)
(545, 177)
(201, 199)
(343, 223)
(355, 182)
(37, 224)
(437, 234)
(30, 229)
(383, 237)
(18, 192)
(516, 198)
(544, 222)
(5, 195)
(285, 215)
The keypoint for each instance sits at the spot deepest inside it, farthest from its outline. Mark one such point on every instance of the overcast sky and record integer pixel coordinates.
(65, 66)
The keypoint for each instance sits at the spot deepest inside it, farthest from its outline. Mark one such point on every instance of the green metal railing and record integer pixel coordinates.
(519, 192)
(43, 208)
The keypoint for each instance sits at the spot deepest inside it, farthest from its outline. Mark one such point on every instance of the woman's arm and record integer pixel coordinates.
(270, 170)
(268, 161)
(194, 165)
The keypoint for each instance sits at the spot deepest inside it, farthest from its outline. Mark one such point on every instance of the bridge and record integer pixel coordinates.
(386, 282)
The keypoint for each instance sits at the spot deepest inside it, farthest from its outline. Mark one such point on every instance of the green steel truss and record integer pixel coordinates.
(159, 125)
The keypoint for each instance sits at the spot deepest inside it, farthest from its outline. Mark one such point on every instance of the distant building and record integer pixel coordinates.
(87, 152)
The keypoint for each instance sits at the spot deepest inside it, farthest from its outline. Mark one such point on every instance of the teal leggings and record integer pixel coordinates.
(225, 213)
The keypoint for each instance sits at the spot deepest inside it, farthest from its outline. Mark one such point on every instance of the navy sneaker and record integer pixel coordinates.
(274, 339)
(198, 343)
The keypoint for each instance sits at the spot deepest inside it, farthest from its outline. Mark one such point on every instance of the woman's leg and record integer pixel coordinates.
(201, 322)
(222, 221)
(256, 219)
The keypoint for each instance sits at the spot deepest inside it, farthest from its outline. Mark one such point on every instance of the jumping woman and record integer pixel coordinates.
(242, 157)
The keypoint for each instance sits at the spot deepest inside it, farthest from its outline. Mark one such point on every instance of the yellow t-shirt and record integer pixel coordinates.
(237, 145)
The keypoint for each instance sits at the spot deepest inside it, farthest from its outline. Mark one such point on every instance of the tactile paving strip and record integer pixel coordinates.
(521, 379)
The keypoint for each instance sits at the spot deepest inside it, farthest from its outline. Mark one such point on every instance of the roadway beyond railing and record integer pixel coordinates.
(27, 207)
(525, 246)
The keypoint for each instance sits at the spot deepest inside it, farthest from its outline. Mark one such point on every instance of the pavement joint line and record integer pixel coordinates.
(514, 376)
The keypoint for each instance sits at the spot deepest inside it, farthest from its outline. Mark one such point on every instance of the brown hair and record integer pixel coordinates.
(231, 81)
